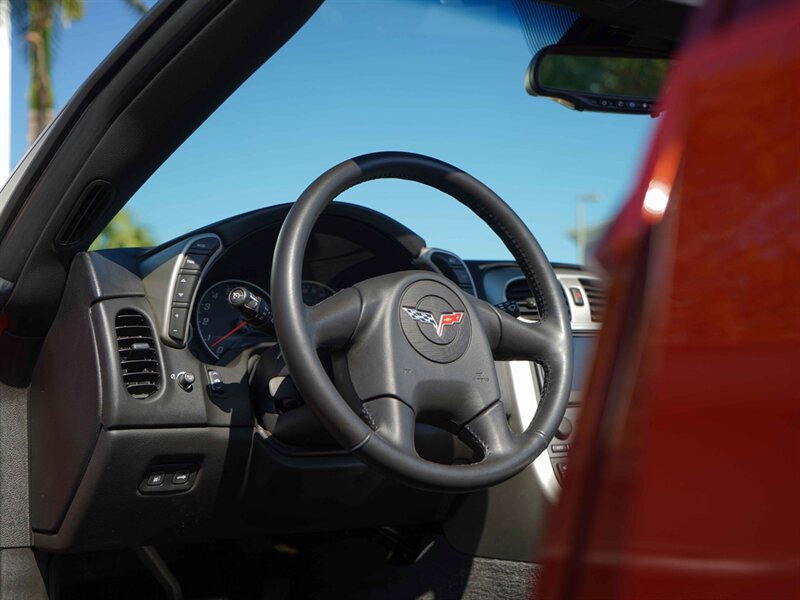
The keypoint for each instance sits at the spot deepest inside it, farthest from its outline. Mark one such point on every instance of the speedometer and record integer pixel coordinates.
(220, 327)
(315, 292)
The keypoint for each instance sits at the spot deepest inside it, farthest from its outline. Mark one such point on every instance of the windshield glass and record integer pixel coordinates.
(438, 78)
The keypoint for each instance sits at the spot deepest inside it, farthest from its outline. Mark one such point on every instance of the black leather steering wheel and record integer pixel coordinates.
(416, 346)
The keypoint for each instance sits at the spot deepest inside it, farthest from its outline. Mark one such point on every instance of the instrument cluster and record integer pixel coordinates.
(222, 329)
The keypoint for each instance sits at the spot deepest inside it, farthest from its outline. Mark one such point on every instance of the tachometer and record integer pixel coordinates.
(315, 292)
(220, 326)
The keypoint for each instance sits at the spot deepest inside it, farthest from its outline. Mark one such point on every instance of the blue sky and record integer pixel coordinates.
(368, 75)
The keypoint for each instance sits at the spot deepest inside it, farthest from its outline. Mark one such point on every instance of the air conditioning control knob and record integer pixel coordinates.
(564, 429)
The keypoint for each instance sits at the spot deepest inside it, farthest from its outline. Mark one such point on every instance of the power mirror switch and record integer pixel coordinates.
(185, 380)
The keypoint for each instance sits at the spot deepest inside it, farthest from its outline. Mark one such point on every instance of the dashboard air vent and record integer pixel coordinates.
(519, 291)
(138, 356)
(596, 296)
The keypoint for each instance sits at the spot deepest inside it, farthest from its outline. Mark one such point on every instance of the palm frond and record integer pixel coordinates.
(71, 10)
(20, 16)
(137, 5)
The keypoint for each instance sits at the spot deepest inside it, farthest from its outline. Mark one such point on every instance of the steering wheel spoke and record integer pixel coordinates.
(514, 339)
(489, 433)
(393, 420)
(333, 321)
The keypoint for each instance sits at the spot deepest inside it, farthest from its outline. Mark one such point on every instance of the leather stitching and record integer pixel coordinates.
(368, 419)
(519, 254)
(545, 396)
(477, 440)
(487, 216)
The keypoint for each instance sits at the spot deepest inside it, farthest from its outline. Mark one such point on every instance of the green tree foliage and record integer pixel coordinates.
(123, 232)
(39, 22)
(606, 75)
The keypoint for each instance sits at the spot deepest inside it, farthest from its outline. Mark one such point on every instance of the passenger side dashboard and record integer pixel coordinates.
(507, 521)
(585, 295)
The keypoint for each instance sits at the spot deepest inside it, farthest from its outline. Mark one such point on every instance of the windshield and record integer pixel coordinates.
(438, 78)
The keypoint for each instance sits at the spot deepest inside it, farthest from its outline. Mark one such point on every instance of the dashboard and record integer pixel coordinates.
(348, 247)
(184, 408)
(219, 326)
(350, 244)
(342, 252)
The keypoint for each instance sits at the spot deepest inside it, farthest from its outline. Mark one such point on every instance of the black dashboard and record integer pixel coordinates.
(342, 252)
(148, 447)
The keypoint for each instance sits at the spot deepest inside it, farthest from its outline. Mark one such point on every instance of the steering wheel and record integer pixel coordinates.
(416, 346)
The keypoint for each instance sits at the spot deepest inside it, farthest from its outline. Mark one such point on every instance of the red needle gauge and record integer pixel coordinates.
(230, 333)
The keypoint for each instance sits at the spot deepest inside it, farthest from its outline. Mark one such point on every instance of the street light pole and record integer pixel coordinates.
(580, 223)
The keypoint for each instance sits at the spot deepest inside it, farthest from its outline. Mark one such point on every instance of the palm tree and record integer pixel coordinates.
(39, 20)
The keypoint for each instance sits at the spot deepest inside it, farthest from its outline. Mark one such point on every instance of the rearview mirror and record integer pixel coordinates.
(622, 80)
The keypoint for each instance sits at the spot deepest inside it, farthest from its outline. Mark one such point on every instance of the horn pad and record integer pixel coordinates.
(435, 321)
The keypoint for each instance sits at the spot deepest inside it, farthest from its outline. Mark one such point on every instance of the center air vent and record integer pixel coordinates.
(137, 354)
(596, 295)
(518, 290)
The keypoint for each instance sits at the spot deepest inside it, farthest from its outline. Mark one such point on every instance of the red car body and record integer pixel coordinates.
(684, 480)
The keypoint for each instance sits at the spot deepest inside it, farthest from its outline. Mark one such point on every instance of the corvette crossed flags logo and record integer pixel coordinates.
(444, 320)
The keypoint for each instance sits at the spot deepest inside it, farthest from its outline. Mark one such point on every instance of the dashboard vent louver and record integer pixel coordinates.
(519, 291)
(138, 356)
(596, 296)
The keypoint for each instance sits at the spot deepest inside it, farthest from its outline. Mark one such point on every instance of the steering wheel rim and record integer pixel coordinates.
(356, 319)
